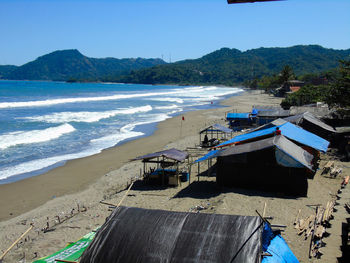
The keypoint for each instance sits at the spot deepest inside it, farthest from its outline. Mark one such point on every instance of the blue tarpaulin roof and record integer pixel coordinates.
(234, 115)
(255, 111)
(280, 252)
(290, 131)
(209, 155)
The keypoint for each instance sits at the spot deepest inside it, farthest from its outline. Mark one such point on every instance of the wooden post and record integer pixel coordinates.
(264, 210)
(125, 195)
(14, 243)
(198, 171)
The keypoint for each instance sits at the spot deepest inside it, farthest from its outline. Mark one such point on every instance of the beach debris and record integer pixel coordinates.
(197, 208)
(59, 219)
(345, 182)
(329, 165)
(15, 243)
(315, 225)
(335, 172)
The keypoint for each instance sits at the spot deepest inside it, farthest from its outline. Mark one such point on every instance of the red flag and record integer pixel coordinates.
(183, 118)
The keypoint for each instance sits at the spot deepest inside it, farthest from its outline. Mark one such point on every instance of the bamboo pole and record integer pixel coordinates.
(263, 215)
(121, 201)
(14, 243)
(67, 261)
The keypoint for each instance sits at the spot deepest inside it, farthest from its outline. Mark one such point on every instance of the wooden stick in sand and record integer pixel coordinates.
(14, 243)
(67, 261)
(121, 201)
(263, 215)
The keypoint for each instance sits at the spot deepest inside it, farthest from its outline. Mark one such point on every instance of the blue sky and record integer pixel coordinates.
(176, 29)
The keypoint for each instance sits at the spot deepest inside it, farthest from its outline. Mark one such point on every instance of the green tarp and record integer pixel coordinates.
(72, 252)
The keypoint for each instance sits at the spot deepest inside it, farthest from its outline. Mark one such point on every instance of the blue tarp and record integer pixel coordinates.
(232, 116)
(290, 131)
(254, 111)
(280, 252)
(209, 155)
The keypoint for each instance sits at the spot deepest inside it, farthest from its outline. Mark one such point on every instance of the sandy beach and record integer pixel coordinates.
(105, 176)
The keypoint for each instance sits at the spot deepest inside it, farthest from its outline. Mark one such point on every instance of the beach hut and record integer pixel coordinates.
(213, 134)
(274, 164)
(239, 121)
(266, 116)
(163, 167)
(144, 235)
(312, 124)
(303, 138)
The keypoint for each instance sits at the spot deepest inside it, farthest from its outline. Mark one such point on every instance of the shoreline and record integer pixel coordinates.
(23, 200)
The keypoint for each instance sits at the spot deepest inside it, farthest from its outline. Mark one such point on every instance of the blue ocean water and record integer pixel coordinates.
(44, 124)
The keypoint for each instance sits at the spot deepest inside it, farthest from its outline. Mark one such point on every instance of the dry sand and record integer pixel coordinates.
(104, 176)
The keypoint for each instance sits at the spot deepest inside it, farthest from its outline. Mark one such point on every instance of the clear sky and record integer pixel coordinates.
(179, 29)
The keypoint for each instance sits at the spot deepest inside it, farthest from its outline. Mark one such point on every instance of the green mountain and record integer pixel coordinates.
(72, 65)
(231, 66)
(6, 69)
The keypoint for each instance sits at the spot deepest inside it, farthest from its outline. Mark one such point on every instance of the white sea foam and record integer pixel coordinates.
(86, 116)
(42, 103)
(169, 99)
(97, 146)
(39, 164)
(170, 107)
(184, 91)
(34, 136)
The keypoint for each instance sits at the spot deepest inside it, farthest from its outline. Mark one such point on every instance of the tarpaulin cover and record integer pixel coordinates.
(273, 113)
(143, 235)
(291, 154)
(280, 252)
(217, 127)
(209, 155)
(254, 111)
(234, 115)
(173, 154)
(298, 119)
(287, 153)
(290, 131)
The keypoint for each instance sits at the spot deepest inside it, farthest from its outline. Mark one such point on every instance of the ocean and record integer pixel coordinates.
(44, 124)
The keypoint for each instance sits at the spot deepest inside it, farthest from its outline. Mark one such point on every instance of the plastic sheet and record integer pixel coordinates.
(142, 235)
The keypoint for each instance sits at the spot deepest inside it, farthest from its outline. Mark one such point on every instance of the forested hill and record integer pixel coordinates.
(71, 65)
(225, 66)
(231, 66)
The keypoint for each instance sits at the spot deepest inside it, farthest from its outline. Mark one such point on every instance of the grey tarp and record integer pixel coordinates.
(273, 113)
(281, 142)
(143, 235)
(298, 119)
(173, 154)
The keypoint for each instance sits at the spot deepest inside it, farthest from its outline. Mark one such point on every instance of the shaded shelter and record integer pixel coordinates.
(312, 124)
(213, 134)
(144, 235)
(166, 170)
(289, 130)
(267, 115)
(274, 164)
(239, 121)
